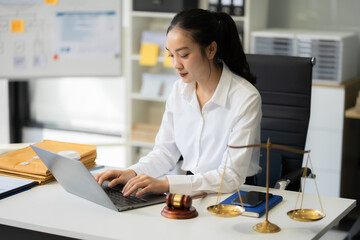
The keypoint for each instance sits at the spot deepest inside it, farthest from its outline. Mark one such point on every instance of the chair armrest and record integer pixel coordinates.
(291, 177)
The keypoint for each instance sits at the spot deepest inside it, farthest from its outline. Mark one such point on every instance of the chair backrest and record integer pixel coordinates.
(284, 84)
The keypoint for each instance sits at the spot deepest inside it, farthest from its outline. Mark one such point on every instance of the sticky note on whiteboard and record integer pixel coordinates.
(51, 2)
(17, 26)
(149, 53)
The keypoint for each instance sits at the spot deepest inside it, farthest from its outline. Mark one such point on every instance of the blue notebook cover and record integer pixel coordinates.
(257, 211)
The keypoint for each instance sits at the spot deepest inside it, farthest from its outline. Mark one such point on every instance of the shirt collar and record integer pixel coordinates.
(188, 91)
(221, 92)
(222, 89)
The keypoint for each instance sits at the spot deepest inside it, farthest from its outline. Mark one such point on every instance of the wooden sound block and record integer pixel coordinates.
(179, 213)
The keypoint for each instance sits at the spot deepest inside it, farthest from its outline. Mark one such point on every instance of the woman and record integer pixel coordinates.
(213, 105)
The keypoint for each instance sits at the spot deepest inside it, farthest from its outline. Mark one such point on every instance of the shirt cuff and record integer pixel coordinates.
(137, 168)
(179, 184)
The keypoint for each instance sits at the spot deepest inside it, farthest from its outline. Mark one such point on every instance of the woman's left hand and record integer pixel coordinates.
(147, 184)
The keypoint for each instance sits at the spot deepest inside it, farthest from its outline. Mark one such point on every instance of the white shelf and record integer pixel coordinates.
(153, 14)
(136, 57)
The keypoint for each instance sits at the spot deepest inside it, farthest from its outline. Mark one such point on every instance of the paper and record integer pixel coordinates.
(17, 26)
(86, 34)
(19, 62)
(156, 85)
(9, 183)
(152, 46)
(167, 60)
(151, 85)
(39, 61)
(149, 53)
(238, 3)
(158, 38)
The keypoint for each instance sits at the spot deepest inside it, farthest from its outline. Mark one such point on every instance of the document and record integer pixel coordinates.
(149, 54)
(83, 34)
(167, 60)
(10, 185)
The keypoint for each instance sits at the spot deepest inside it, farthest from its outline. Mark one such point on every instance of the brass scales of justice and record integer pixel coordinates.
(300, 214)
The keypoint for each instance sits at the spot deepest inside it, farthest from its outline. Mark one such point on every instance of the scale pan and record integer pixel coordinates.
(306, 215)
(225, 210)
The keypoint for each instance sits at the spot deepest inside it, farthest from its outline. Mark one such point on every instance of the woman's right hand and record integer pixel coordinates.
(115, 177)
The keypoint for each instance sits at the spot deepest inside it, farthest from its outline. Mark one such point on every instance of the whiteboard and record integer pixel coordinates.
(63, 39)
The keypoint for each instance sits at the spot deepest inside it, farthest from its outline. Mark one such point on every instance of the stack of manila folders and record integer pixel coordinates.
(24, 163)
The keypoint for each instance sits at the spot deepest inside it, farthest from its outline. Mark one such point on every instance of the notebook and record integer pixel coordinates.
(257, 211)
(75, 178)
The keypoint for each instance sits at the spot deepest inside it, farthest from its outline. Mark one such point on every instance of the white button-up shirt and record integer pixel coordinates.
(231, 117)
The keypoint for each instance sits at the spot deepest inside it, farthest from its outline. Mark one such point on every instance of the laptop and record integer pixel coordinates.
(75, 178)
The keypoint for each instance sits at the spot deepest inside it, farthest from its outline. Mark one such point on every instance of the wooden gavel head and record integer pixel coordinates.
(178, 201)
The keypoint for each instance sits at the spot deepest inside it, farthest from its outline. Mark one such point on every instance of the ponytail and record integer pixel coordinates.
(206, 27)
(230, 49)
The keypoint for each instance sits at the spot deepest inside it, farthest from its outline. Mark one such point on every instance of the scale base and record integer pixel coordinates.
(179, 213)
(266, 227)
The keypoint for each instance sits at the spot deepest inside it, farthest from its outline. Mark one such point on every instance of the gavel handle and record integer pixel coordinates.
(198, 195)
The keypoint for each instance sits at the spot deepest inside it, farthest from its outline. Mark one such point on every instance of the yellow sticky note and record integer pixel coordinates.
(167, 60)
(51, 2)
(17, 26)
(148, 54)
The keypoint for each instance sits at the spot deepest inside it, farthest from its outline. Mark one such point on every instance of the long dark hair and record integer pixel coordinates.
(206, 27)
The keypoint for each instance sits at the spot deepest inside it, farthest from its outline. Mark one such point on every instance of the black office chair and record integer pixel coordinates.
(284, 84)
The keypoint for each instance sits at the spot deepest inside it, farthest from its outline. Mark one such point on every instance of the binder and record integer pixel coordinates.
(225, 6)
(237, 8)
(214, 5)
(257, 211)
(231, 7)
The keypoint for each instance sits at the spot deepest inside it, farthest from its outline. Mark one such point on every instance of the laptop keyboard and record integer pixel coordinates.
(119, 199)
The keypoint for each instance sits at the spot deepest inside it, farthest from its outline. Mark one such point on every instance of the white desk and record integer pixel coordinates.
(50, 209)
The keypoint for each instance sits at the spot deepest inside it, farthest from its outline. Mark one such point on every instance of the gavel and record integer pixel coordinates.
(182, 202)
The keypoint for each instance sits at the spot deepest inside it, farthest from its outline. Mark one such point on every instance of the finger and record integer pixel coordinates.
(131, 190)
(115, 182)
(143, 191)
(134, 186)
(97, 176)
(100, 178)
(128, 186)
(130, 183)
(110, 174)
